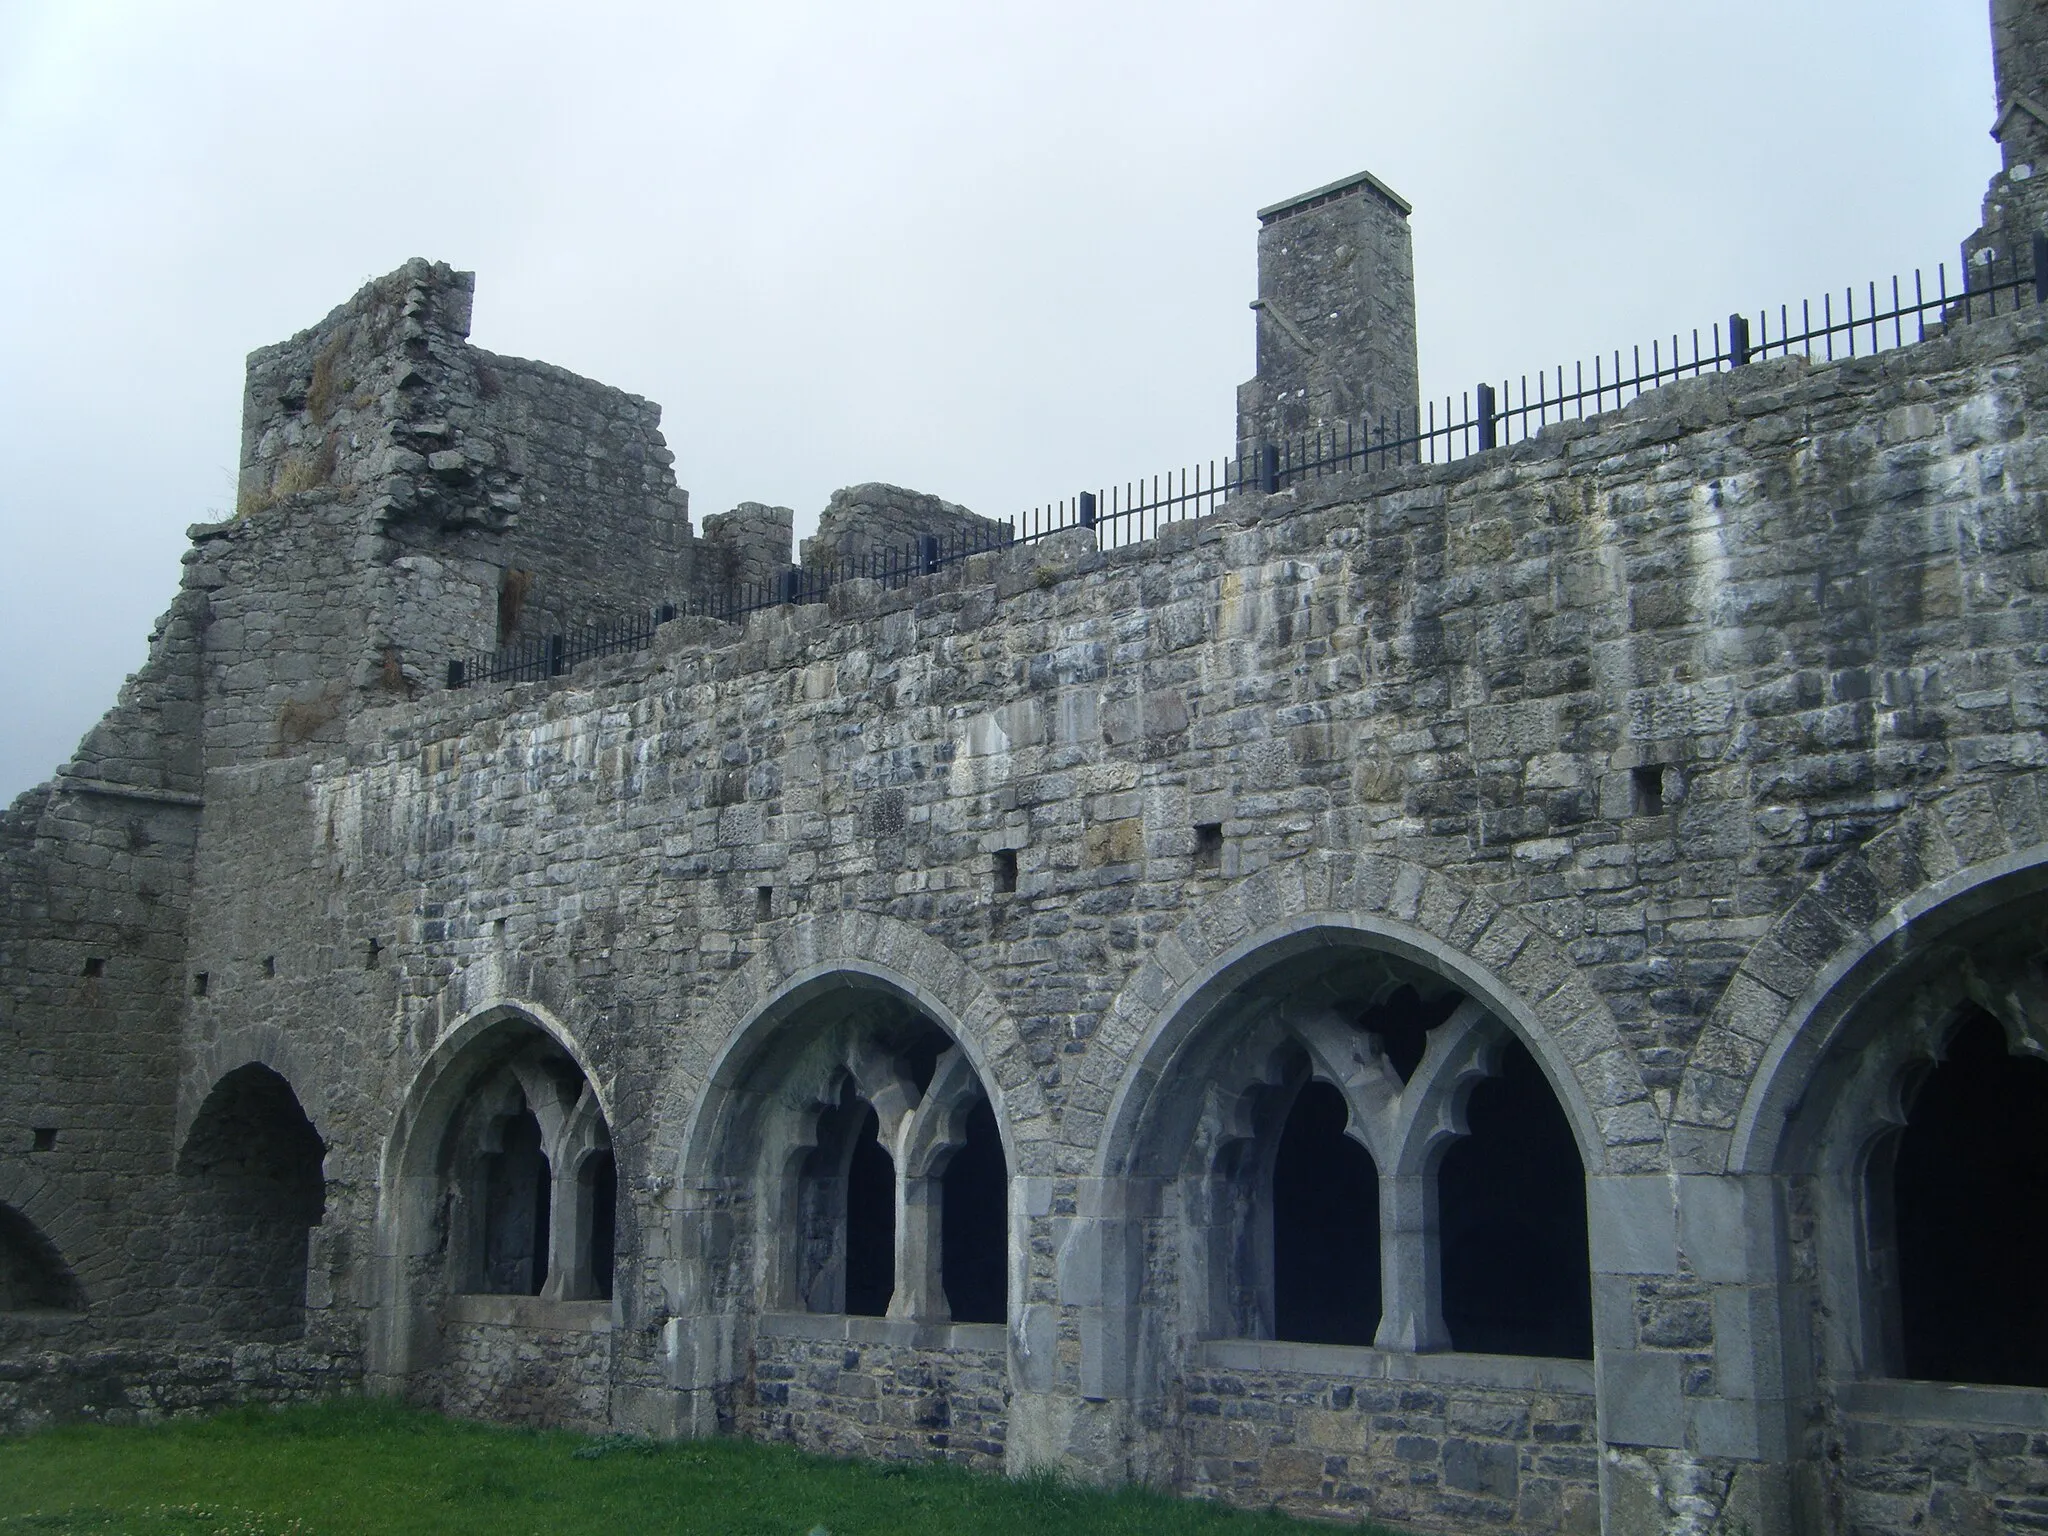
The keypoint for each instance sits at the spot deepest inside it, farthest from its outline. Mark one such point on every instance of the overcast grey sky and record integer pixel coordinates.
(993, 252)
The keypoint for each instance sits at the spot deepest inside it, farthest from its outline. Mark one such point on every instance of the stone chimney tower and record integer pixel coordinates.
(2016, 202)
(1336, 315)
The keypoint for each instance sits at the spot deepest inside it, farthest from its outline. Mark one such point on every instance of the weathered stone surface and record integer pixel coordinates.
(1696, 747)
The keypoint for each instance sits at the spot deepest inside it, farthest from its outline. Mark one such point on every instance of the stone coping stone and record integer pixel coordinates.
(534, 1312)
(909, 1332)
(1945, 1402)
(1521, 1372)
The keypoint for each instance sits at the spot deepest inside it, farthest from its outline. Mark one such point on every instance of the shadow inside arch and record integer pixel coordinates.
(1362, 951)
(1975, 918)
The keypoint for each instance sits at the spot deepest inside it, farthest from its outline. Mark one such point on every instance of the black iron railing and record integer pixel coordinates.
(1485, 417)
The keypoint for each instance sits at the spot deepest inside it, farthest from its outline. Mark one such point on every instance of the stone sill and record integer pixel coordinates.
(1351, 1362)
(531, 1312)
(1946, 1402)
(904, 1332)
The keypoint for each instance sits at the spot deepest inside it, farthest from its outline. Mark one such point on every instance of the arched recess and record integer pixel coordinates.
(95, 1253)
(498, 1178)
(1513, 970)
(836, 1132)
(1852, 1092)
(250, 1188)
(33, 1274)
(1373, 1016)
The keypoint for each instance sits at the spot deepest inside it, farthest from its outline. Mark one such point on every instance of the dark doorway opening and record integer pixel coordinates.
(1511, 1208)
(870, 1222)
(974, 1224)
(251, 1187)
(516, 1201)
(601, 1190)
(1970, 1202)
(1326, 1226)
(33, 1275)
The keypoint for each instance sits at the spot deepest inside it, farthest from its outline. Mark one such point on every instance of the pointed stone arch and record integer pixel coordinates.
(96, 1258)
(34, 1274)
(266, 1045)
(1862, 921)
(820, 1023)
(1513, 970)
(410, 1238)
(806, 953)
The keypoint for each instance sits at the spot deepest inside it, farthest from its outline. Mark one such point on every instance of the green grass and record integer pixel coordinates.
(365, 1465)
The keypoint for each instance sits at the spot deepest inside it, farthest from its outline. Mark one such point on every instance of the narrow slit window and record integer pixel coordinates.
(1006, 871)
(1209, 845)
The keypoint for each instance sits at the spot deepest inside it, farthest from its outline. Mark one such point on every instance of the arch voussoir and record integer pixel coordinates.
(1768, 1028)
(1422, 912)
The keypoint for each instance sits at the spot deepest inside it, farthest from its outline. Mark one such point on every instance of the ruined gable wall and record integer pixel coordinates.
(1810, 597)
(602, 525)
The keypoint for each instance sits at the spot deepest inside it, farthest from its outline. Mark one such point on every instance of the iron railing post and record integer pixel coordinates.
(1738, 340)
(454, 673)
(928, 552)
(1489, 436)
(792, 585)
(1269, 468)
(558, 660)
(1087, 504)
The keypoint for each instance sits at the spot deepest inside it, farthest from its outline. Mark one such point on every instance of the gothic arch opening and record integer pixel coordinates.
(1357, 1151)
(527, 1185)
(250, 1190)
(1511, 1200)
(1968, 1175)
(861, 1156)
(500, 1203)
(1326, 1225)
(598, 1207)
(1915, 1153)
(974, 1257)
(33, 1274)
(512, 1258)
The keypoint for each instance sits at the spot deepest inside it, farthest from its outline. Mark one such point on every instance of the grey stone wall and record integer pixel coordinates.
(863, 1390)
(1468, 1445)
(113, 1385)
(752, 545)
(1424, 698)
(1696, 747)
(510, 1359)
(1336, 317)
(863, 519)
(602, 524)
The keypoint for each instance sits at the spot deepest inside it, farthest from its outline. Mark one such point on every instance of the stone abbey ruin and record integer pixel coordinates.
(1508, 991)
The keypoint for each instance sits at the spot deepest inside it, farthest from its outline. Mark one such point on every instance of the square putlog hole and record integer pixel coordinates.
(1646, 790)
(45, 1138)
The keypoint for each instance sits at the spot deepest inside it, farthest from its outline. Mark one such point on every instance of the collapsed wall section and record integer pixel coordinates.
(602, 526)
(863, 520)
